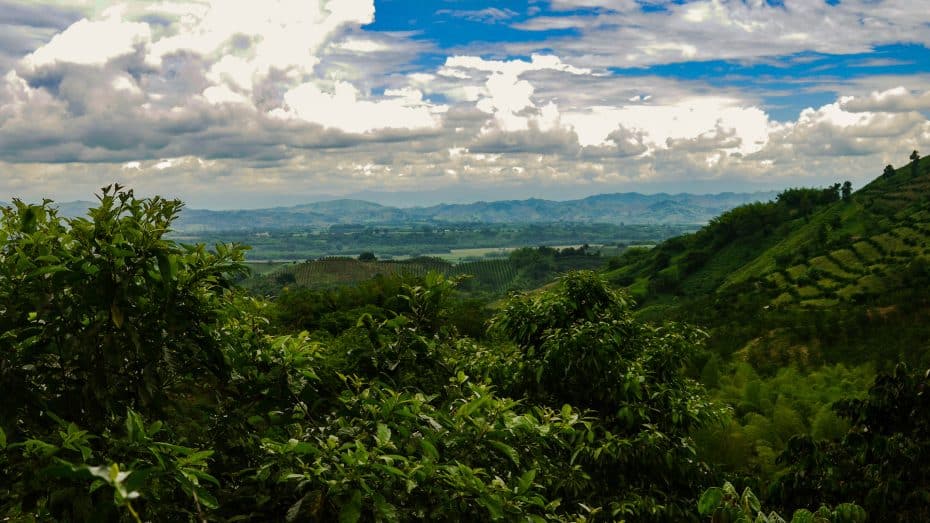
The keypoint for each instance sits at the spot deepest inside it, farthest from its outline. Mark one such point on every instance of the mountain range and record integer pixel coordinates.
(617, 208)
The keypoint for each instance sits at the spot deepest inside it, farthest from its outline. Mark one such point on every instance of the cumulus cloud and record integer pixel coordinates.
(91, 42)
(664, 124)
(533, 139)
(25, 26)
(832, 131)
(898, 99)
(507, 96)
(343, 110)
(215, 78)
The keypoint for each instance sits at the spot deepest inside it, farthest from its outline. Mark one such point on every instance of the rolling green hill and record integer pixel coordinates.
(803, 277)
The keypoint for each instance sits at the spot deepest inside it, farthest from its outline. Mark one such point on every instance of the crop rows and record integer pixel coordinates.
(845, 274)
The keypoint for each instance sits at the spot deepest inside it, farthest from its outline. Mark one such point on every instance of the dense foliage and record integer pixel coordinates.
(815, 276)
(882, 461)
(727, 505)
(768, 411)
(144, 388)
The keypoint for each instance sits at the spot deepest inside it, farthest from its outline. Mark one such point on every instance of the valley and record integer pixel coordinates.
(664, 372)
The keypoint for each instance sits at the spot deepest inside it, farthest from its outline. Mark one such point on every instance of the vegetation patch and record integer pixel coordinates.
(867, 251)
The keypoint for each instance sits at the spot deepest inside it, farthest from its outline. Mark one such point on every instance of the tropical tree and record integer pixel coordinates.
(581, 345)
(105, 323)
(847, 191)
(882, 462)
(102, 314)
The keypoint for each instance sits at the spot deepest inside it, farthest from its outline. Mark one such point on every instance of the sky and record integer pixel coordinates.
(242, 104)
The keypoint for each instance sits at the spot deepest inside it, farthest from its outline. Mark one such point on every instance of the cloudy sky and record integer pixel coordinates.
(234, 103)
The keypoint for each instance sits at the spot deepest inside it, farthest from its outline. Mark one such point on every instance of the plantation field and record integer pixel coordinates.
(493, 275)
(465, 255)
(460, 255)
(453, 242)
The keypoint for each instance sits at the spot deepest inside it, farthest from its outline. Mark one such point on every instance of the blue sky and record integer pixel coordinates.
(238, 104)
(456, 24)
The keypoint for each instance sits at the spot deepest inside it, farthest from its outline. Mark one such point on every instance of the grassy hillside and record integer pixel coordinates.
(811, 273)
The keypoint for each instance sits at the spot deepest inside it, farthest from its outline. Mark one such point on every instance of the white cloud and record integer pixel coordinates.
(342, 109)
(897, 99)
(220, 94)
(255, 38)
(685, 119)
(513, 67)
(232, 71)
(505, 95)
(359, 45)
(623, 35)
(487, 15)
(92, 42)
(123, 82)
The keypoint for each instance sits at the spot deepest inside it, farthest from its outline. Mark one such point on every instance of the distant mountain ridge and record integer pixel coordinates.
(630, 208)
(615, 208)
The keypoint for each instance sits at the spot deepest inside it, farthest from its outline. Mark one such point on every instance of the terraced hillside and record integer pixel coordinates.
(800, 263)
(873, 244)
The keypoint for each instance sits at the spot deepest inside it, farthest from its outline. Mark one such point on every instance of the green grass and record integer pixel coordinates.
(778, 279)
(867, 251)
(870, 283)
(808, 291)
(496, 275)
(824, 264)
(820, 303)
(460, 255)
(796, 272)
(847, 260)
(783, 299)
(328, 272)
(720, 266)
